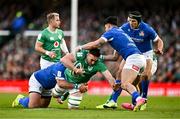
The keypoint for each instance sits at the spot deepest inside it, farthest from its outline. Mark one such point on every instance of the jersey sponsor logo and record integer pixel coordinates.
(136, 68)
(141, 33)
(137, 40)
(56, 44)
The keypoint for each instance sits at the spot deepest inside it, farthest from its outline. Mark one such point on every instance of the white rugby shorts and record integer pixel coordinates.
(135, 62)
(35, 86)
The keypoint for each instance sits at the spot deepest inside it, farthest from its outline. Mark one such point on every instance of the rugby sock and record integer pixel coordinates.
(133, 101)
(24, 102)
(116, 94)
(145, 85)
(135, 95)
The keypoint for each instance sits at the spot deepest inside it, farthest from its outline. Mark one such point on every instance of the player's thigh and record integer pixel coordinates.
(118, 75)
(34, 100)
(35, 90)
(45, 101)
(128, 75)
(132, 67)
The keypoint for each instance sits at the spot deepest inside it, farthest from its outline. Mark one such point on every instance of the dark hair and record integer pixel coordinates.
(111, 20)
(95, 52)
(135, 15)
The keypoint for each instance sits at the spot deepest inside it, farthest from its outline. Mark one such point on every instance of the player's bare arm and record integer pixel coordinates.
(111, 79)
(114, 57)
(68, 61)
(91, 45)
(158, 46)
(66, 85)
(39, 48)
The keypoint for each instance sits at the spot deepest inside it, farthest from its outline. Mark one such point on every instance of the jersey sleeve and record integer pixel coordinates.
(41, 38)
(101, 67)
(107, 36)
(152, 34)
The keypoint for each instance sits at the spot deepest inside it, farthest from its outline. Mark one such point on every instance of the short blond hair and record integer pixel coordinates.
(51, 16)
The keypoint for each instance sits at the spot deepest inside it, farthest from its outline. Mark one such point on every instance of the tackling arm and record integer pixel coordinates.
(113, 57)
(92, 45)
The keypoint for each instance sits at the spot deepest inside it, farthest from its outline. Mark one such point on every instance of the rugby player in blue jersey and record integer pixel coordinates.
(125, 47)
(144, 36)
(80, 68)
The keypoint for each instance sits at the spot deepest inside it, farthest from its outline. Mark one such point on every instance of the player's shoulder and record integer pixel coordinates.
(59, 30)
(125, 25)
(145, 26)
(44, 31)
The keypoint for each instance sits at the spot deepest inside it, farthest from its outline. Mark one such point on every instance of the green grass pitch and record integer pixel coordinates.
(158, 108)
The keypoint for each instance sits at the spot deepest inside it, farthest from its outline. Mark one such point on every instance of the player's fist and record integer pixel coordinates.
(51, 54)
(83, 88)
(78, 71)
(158, 51)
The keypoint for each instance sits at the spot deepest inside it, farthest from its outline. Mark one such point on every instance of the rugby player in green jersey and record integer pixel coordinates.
(50, 42)
(80, 68)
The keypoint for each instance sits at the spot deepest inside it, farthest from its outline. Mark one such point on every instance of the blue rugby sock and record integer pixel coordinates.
(133, 101)
(135, 95)
(144, 85)
(24, 102)
(116, 94)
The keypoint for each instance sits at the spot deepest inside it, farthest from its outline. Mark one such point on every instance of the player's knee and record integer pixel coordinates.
(34, 105)
(124, 85)
(74, 100)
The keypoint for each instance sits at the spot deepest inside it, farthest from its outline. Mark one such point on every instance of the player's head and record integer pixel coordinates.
(53, 20)
(134, 18)
(93, 56)
(110, 21)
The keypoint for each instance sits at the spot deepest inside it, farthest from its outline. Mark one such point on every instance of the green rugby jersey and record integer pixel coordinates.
(89, 70)
(51, 42)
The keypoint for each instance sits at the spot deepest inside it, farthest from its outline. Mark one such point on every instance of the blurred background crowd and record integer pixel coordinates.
(17, 56)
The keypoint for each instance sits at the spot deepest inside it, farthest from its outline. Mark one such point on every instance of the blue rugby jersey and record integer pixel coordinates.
(143, 36)
(46, 77)
(121, 42)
